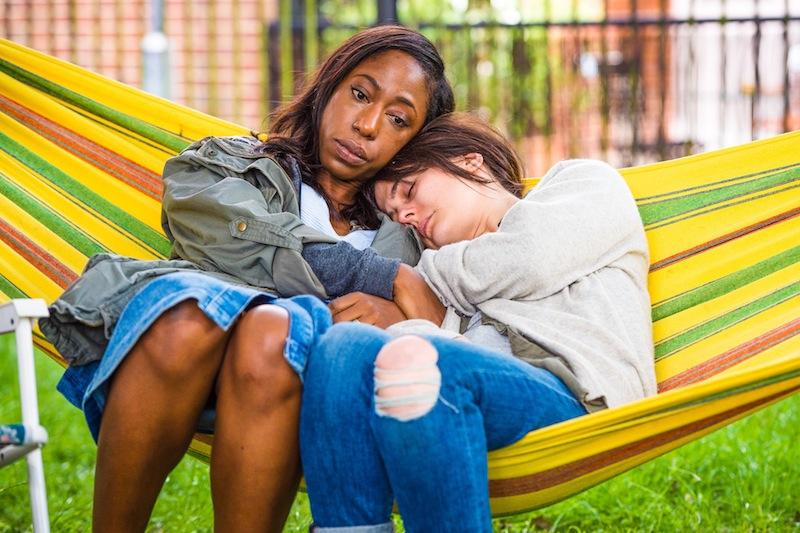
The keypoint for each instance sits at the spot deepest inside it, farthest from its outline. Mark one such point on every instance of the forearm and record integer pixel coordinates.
(415, 298)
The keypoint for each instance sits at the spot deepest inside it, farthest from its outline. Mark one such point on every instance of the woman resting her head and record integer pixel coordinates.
(548, 316)
(151, 343)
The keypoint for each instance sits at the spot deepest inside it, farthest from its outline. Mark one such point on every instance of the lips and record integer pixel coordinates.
(350, 152)
(422, 228)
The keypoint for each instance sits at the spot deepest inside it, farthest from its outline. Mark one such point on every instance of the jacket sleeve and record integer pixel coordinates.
(580, 218)
(230, 211)
(343, 269)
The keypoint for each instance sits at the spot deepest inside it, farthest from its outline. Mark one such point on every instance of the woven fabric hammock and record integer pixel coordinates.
(80, 159)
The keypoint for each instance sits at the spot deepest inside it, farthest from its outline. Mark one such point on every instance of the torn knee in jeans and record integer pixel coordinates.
(407, 379)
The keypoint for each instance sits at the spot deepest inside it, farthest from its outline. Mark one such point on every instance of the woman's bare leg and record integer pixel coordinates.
(153, 404)
(255, 462)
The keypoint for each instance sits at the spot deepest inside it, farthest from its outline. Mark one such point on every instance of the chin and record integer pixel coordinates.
(335, 169)
(432, 245)
(349, 175)
(342, 172)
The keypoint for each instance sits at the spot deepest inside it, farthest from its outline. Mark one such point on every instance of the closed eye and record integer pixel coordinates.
(410, 190)
(391, 213)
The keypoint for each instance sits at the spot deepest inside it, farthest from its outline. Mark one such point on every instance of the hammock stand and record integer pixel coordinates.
(80, 160)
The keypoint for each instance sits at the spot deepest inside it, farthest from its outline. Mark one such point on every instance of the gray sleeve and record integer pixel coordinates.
(342, 269)
(582, 217)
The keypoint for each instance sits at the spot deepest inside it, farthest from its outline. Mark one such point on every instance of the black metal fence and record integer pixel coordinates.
(629, 82)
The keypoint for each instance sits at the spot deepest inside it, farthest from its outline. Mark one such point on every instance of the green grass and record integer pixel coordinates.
(745, 477)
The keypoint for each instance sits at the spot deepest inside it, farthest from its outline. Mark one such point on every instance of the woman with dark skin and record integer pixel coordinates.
(367, 100)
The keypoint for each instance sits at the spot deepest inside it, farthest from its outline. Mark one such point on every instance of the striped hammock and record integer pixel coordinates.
(80, 158)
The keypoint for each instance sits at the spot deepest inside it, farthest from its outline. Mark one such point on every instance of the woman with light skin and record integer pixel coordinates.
(152, 343)
(547, 319)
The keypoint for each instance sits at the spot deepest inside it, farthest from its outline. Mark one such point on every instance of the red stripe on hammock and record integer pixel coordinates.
(559, 475)
(106, 160)
(727, 359)
(36, 255)
(204, 438)
(725, 238)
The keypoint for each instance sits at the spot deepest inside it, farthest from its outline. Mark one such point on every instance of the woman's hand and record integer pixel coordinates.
(415, 298)
(366, 308)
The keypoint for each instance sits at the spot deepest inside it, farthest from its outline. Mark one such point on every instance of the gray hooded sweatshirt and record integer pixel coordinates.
(565, 279)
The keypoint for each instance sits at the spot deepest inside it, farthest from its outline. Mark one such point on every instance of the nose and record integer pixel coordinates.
(406, 214)
(367, 122)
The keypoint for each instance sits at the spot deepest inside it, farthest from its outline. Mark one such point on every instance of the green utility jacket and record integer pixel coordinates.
(229, 211)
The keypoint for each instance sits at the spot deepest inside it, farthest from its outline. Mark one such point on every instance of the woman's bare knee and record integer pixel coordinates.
(179, 340)
(254, 360)
(407, 379)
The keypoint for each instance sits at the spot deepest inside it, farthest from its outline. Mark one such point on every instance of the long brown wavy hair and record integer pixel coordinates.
(449, 137)
(295, 126)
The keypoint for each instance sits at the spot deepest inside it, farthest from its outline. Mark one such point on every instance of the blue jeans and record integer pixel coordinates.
(86, 386)
(356, 461)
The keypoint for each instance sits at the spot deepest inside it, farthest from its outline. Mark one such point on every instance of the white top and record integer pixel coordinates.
(314, 212)
(567, 269)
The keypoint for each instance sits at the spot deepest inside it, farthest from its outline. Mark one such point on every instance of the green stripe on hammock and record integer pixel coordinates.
(724, 205)
(108, 161)
(655, 198)
(51, 220)
(742, 389)
(127, 122)
(660, 211)
(706, 329)
(726, 284)
(134, 227)
(9, 289)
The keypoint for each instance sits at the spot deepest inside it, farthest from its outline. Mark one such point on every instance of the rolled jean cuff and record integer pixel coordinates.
(386, 527)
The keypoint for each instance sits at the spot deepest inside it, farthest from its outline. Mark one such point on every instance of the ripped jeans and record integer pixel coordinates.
(424, 443)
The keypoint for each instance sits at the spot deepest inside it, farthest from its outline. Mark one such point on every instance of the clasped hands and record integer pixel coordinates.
(412, 299)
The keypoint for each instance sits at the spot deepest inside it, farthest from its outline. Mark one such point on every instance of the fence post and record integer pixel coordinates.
(155, 49)
(387, 11)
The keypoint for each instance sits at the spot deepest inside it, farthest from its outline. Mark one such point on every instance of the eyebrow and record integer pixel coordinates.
(400, 98)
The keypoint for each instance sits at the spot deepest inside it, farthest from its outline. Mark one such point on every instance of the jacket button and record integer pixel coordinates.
(241, 226)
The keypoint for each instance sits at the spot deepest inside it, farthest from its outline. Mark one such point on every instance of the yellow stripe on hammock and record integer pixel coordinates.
(46, 193)
(676, 324)
(29, 280)
(44, 105)
(110, 188)
(667, 282)
(159, 112)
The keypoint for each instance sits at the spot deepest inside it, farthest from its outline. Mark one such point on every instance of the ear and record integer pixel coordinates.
(470, 162)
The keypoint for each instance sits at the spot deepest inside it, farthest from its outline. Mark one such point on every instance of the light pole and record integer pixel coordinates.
(155, 54)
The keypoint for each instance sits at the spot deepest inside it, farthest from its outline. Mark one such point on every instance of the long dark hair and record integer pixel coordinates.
(449, 137)
(295, 126)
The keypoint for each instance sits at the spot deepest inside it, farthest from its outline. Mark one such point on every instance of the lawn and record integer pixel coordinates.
(745, 477)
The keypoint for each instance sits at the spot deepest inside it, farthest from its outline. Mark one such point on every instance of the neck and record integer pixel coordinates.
(340, 193)
(500, 206)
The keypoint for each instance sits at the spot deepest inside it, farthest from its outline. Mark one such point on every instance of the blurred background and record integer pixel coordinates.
(628, 81)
